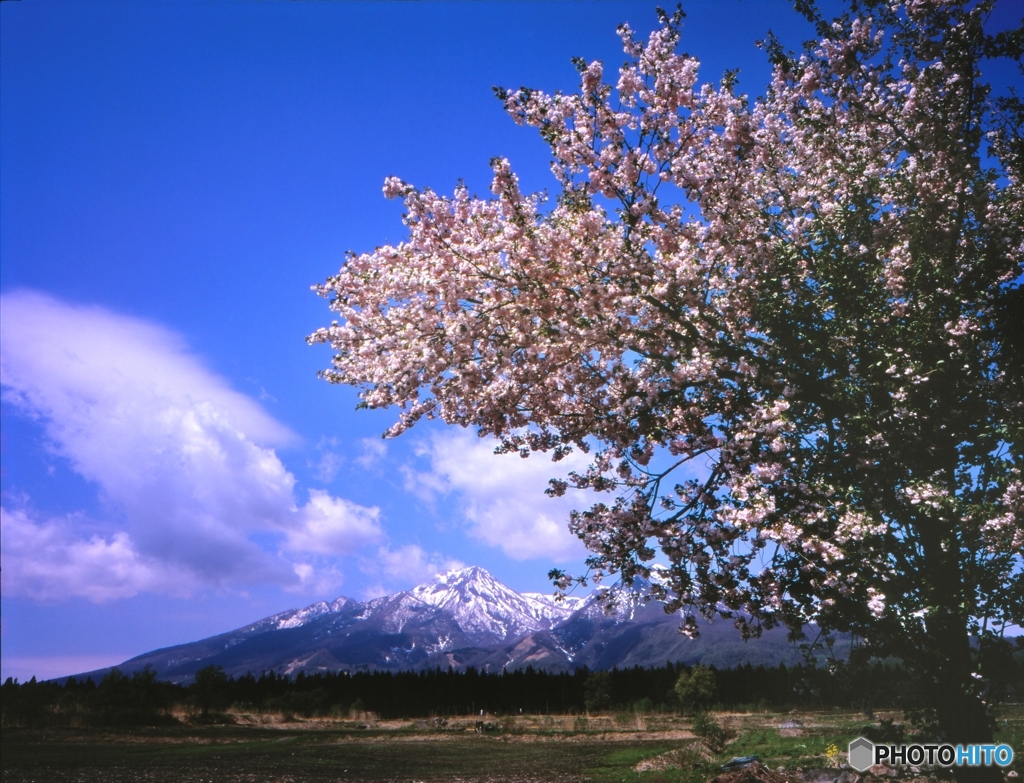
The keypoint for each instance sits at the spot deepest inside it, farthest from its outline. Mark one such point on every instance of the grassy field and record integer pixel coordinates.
(532, 749)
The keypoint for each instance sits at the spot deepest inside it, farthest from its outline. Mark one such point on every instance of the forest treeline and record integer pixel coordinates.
(143, 699)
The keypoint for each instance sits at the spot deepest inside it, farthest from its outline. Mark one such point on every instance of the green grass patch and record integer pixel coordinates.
(618, 766)
(776, 750)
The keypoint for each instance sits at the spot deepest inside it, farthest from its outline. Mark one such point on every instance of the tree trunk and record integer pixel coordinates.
(962, 716)
(963, 720)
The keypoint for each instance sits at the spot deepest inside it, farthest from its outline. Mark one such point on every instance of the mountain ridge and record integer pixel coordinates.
(459, 619)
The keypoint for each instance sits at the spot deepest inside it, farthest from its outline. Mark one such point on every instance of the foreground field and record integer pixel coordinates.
(517, 750)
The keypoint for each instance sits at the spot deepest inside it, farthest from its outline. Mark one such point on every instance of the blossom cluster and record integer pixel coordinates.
(770, 322)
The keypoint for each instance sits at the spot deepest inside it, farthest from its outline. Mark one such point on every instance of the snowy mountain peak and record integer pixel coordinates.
(547, 602)
(620, 600)
(459, 579)
(462, 618)
(294, 618)
(297, 617)
(482, 608)
(459, 576)
(481, 605)
(340, 603)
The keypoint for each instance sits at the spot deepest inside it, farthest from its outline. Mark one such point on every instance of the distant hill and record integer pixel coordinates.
(465, 618)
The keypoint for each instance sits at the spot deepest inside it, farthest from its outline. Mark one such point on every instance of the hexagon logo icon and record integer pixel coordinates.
(861, 754)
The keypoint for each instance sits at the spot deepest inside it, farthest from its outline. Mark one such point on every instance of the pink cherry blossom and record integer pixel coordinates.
(812, 320)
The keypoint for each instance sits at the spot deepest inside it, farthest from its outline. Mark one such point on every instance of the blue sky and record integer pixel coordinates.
(174, 176)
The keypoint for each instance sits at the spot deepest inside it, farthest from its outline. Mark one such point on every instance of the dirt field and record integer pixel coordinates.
(309, 755)
(534, 749)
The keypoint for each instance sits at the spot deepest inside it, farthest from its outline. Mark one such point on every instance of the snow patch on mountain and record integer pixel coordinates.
(294, 618)
(480, 605)
(557, 608)
(461, 618)
(297, 617)
(484, 607)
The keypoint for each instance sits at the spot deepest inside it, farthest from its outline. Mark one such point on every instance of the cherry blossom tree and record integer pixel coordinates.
(780, 327)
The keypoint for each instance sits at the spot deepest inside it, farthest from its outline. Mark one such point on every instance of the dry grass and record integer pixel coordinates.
(647, 748)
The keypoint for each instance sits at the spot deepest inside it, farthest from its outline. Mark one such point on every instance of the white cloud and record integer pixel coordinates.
(49, 561)
(372, 451)
(411, 564)
(425, 485)
(375, 590)
(185, 462)
(502, 496)
(333, 526)
(327, 467)
(317, 578)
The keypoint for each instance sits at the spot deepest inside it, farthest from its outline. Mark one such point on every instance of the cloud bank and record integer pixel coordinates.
(185, 465)
(502, 496)
(408, 565)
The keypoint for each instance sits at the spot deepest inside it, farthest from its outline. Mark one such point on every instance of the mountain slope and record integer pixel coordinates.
(462, 618)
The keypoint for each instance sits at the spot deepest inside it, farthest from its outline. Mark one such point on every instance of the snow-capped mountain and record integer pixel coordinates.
(293, 618)
(482, 605)
(543, 603)
(461, 618)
